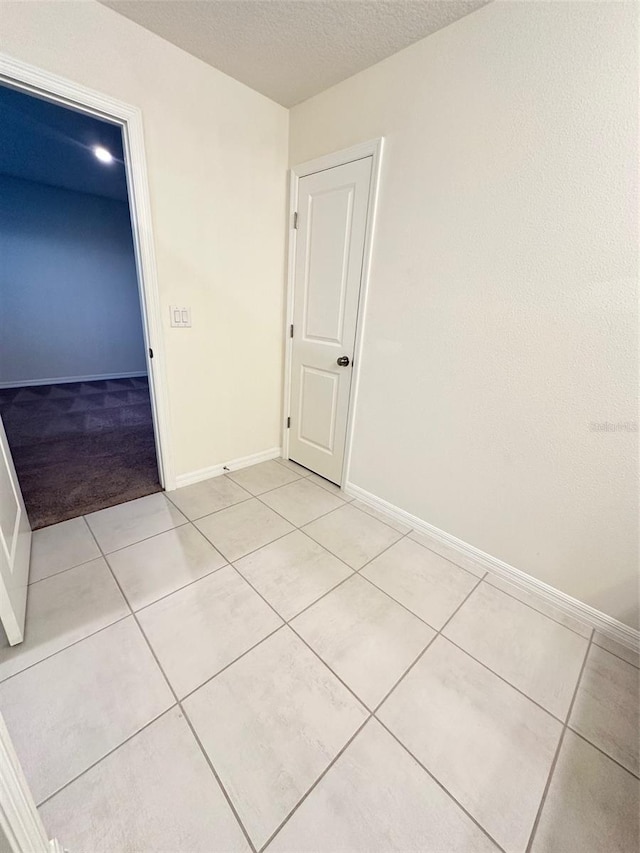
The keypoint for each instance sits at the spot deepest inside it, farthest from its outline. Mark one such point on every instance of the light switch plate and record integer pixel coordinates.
(180, 316)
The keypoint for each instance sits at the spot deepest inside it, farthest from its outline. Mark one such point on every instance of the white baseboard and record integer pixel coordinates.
(629, 637)
(60, 380)
(232, 465)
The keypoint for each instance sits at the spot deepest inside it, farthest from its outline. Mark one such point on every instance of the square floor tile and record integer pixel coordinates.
(263, 477)
(158, 566)
(366, 638)
(617, 649)
(301, 501)
(208, 496)
(271, 724)
(292, 572)
(60, 547)
(427, 584)
(591, 806)
(381, 516)
(243, 528)
(606, 707)
(489, 745)
(122, 525)
(377, 799)
(535, 654)
(541, 605)
(68, 711)
(200, 629)
(449, 553)
(352, 535)
(293, 466)
(156, 792)
(63, 609)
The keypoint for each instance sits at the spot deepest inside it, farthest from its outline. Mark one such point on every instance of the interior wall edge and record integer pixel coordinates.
(613, 628)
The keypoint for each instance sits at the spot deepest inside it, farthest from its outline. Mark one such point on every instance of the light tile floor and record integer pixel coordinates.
(258, 662)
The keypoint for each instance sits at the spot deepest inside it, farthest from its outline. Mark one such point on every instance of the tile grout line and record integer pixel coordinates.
(440, 785)
(177, 589)
(615, 655)
(535, 609)
(503, 679)
(281, 460)
(106, 755)
(403, 745)
(547, 786)
(602, 752)
(179, 704)
(67, 569)
(431, 641)
(137, 541)
(231, 662)
(213, 511)
(64, 648)
(315, 784)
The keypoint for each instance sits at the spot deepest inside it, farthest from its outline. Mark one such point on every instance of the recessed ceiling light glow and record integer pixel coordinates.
(102, 154)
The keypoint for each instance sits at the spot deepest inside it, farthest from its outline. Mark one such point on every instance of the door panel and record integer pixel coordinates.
(325, 287)
(317, 410)
(332, 217)
(15, 547)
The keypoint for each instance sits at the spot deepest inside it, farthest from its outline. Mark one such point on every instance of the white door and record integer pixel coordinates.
(332, 218)
(15, 547)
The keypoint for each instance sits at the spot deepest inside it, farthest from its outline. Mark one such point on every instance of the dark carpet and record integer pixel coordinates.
(81, 446)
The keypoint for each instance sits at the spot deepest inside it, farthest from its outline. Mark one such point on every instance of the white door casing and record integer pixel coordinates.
(29, 78)
(15, 547)
(21, 829)
(333, 206)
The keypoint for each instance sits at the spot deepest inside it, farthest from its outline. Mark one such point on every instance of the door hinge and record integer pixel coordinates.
(295, 219)
(288, 423)
(291, 331)
(150, 353)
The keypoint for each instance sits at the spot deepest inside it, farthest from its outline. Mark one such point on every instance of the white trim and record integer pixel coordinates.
(61, 380)
(68, 93)
(627, 636)
(20, 822)
(372, 148)
(233, 465)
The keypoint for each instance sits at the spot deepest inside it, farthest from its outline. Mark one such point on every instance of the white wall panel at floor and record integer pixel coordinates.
(502, 313)
(217, 154)
(69, 301)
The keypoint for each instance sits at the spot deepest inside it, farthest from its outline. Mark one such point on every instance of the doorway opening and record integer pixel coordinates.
(75, 398)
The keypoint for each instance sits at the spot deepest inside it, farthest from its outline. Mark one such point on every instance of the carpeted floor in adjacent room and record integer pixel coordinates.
(80, 446)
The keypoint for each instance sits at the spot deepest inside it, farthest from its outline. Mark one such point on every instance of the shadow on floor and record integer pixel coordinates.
(80, 446)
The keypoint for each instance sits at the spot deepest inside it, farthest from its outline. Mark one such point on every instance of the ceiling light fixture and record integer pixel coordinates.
(102, 154)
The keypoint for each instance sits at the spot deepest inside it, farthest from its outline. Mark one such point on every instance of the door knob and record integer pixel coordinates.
(343, 361)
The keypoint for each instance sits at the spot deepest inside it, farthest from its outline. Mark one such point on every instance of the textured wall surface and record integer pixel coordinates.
(216, 157)
(502, 319)
(69, 304)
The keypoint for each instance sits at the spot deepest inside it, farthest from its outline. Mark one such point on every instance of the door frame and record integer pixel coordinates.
(372, 148)
(28, 78)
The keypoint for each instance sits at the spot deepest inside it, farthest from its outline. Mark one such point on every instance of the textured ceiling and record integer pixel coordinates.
(292, 49)
(45, 142)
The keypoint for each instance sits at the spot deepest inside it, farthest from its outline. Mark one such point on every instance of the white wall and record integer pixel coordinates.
(69, 303)
(217, 154)
(502, 316)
